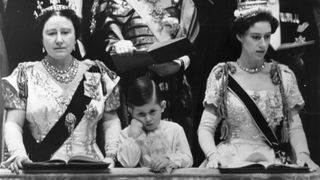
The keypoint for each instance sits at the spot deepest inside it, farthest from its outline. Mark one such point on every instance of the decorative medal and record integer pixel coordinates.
(70, 122)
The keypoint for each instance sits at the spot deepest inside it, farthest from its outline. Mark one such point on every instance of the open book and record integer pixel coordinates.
(157, 53)
(75, 163)
(263, 167)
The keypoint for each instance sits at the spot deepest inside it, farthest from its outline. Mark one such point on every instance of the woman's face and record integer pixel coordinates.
(58, 37)
(256, 40)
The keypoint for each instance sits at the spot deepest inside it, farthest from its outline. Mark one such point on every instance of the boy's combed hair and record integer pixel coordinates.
(141, 90)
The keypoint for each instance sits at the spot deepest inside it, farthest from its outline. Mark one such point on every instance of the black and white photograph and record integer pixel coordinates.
(159, 89)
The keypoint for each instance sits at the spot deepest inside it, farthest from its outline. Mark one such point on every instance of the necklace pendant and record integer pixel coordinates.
(70, 121)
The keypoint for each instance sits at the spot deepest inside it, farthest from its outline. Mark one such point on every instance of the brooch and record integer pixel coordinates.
(91, 86)
(91, 112)
(70, 122)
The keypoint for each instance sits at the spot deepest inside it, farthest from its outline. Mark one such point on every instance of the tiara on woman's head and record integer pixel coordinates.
(55, 5)
(249, 8)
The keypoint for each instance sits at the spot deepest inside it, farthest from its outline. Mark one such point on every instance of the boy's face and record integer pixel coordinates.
(149, 114)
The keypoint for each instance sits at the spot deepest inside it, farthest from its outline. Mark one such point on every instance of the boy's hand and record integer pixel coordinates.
(160, 163)
(124, 47)
(213, 161)
(135, 129)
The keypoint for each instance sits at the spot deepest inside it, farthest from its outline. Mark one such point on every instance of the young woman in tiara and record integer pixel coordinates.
(53, 105)
(271, 90)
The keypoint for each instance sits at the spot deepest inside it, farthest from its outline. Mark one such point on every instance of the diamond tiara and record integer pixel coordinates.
(55, 6)
(249, 8)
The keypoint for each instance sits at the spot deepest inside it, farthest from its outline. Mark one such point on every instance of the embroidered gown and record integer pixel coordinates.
(32, 89)
(244, 142)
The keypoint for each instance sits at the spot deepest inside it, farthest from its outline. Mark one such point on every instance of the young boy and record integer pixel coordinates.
(149, 141)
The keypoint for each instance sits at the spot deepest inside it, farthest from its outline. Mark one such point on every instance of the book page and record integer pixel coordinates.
(284, 166)
(83, 159)
(248, 164)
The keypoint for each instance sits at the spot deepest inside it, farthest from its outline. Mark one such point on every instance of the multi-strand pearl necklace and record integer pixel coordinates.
(62, 76)
(251, 70)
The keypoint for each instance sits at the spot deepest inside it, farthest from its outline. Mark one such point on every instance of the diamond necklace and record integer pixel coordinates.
(62, 76)
(251, 70)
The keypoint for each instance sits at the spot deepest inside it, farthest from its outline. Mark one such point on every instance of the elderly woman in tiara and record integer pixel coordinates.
(257, 102)
(53, 105)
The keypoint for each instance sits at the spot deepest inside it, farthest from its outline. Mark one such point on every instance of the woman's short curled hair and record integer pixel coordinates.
(67, 13)
(241, 25)
(141, 91)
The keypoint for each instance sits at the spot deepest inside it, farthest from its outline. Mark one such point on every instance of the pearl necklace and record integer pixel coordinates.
(62, 76)
(251, 70)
